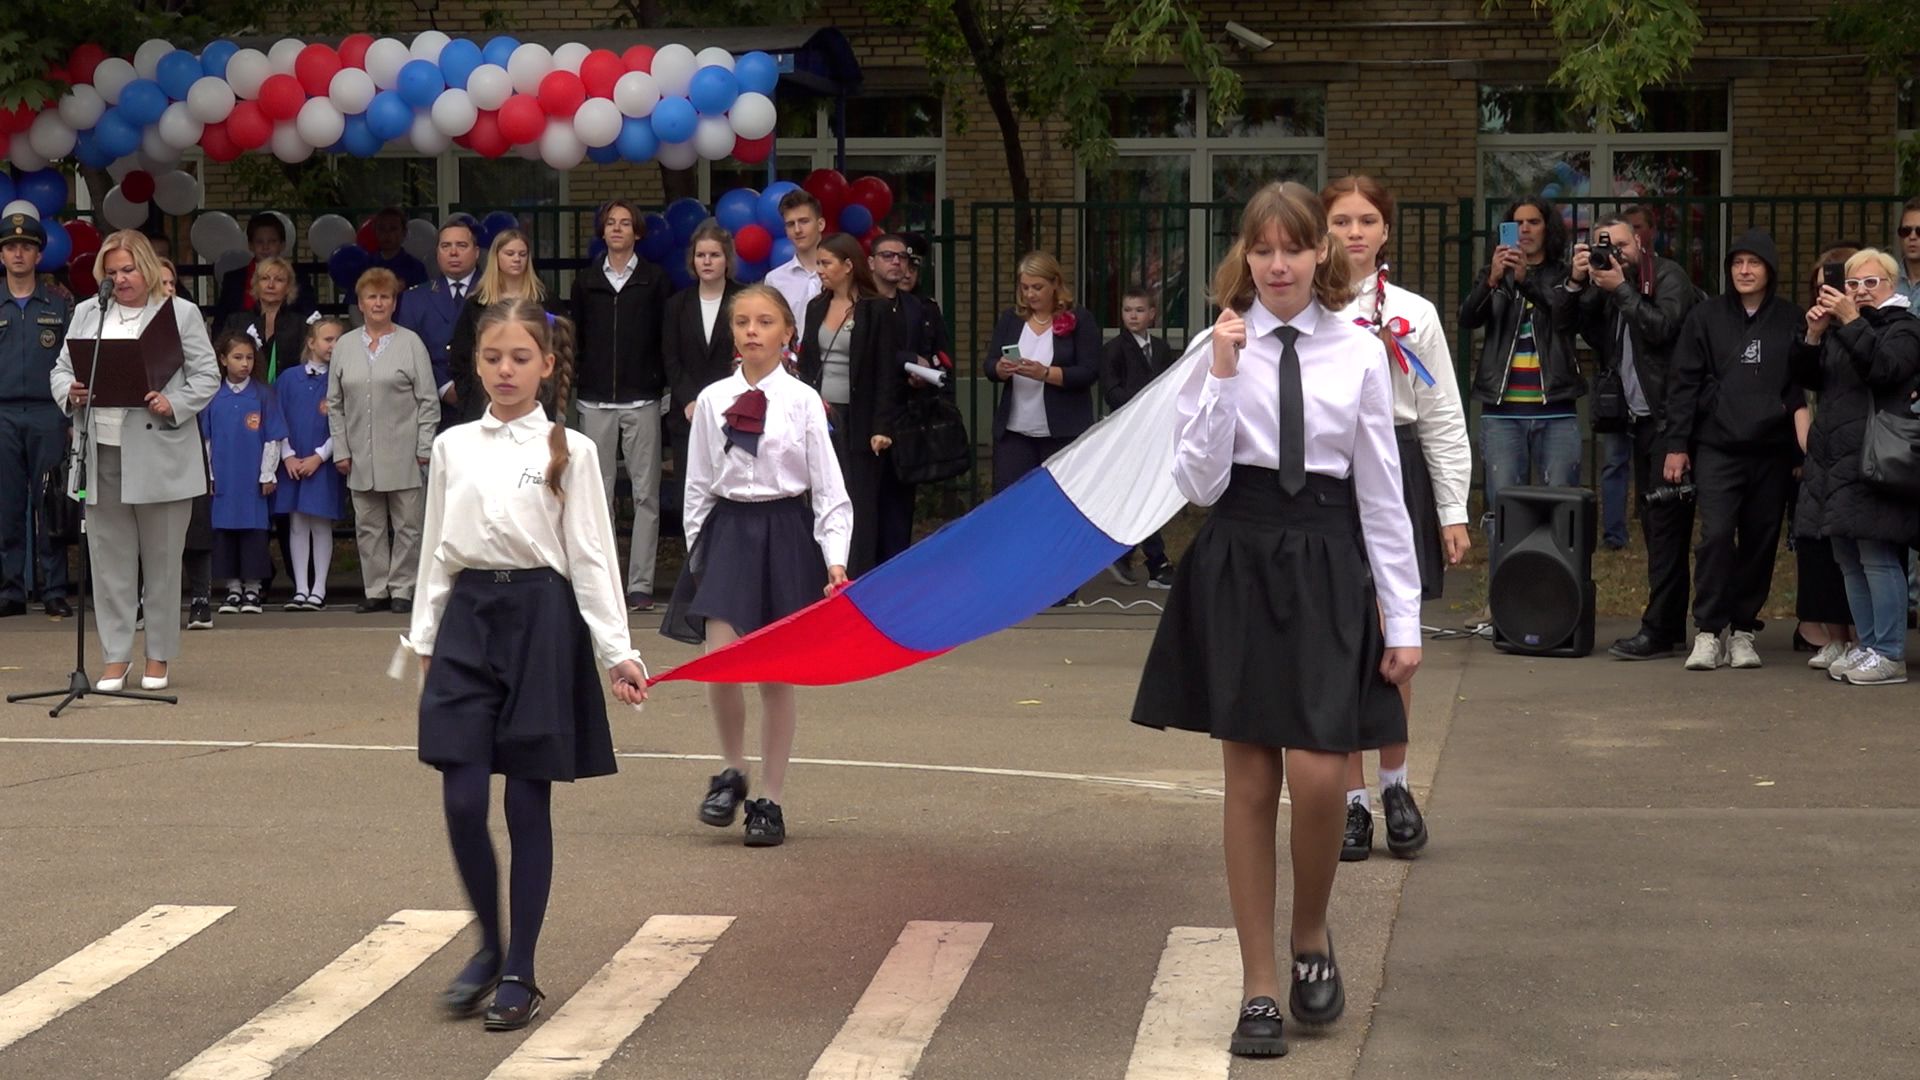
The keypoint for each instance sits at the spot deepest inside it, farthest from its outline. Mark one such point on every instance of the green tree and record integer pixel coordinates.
(1612, 50)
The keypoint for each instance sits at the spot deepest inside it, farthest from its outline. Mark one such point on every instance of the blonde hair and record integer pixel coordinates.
(145, 260)
(1878, 258)
(553, 336)
(275, 262)
(1297, 213)
(313, 331)
(1041, 264)
(493, 280)
(711, 229)
(378, 280)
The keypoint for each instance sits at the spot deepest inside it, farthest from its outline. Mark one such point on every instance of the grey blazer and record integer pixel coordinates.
(159, 457)
(382, 414)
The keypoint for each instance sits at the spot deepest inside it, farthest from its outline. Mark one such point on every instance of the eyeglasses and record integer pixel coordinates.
(1909, 230)
(890, 256)
(1865, 282)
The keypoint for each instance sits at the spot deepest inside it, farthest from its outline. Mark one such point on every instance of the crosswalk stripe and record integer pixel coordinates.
(140, 941)
(894, 1020)
(1195, 994)
(579, 1039)
(316, 1008)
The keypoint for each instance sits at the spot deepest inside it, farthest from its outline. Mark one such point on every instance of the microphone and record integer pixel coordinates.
(106, 294)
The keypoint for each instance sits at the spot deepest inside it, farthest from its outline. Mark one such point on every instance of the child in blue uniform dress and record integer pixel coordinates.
(243, 432)
(311, 492)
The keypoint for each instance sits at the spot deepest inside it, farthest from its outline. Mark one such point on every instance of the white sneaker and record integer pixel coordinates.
(1877, 670)
(1831, 651)
(1740, 650)
(1837, 671)
(1707, 653)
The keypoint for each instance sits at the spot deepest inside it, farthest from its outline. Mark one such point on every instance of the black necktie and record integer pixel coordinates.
(459, 290)
(1293, 431)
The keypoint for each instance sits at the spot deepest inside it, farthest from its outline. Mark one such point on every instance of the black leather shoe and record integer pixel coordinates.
(1641, 646)
(766, 825)
(372, 604)
(1406, 828)
(1258, 1033)
(724, 796)
(12, 607)
(463, 998)
(1359, 841)
(513, 1019)
(1318, 996)
(58, 608)
(402, 605)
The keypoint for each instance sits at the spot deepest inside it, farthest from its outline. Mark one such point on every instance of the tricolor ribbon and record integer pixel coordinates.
(1399, 328)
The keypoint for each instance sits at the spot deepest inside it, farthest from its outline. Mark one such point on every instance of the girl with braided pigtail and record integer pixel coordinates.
(521, 607)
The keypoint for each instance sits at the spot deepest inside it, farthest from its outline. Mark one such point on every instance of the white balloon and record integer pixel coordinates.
(119, 169)
(489, 86)
(454, 113)
(328, 234)
(714, 56)
(23, 155)
(673, 68)
(351, 91)
(426, 138)
(287, 145)
(112, 76)
(209, 101)
(146, 59)
(636, 94)
(427, 45)
(679, 155)
(713, 139)
(20, 206)
(560, 148)
(320, 123)
(385, 58)
(283, 54)
(176, 192)
(246, 70)
(230, 261)
(120, 213)
(597, 122)
(752, 116)
(528, 65)
(166, 161)
(422, 240)
(570, 56)
(183, 123)
(81, 107)
(529, 151)
(214, 234)
(50, 137)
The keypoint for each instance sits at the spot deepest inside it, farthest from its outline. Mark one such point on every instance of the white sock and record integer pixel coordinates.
(1359, 795)
(233, 585)
(302, 544)
(322, 554)
(1393, 777)
(252, 587)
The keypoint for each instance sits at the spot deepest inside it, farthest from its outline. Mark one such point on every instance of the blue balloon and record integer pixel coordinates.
(656, 238)
(637, 142)
(713, 90)
(6, 185)
(782, 253)
(117, 135)
(420, 84)
(498, 222)
(678, 272)
(674, 119)
(750, 272)
(757, 73)
(213, 58)
(359, 139)
(1550, 191)
(177, 72)
(499, 50)
(142, 101)
(389, 116)
(46, 189)
(87, 151)
(769, 210)
(54, 253)
(685, 215)
(458, 58)
(737, 209)
(855, 219)
(603, 155)
(597, 250)
(346, 264)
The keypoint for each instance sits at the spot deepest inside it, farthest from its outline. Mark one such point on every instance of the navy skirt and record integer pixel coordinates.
(514, 684)
(1416, 486)
(1272, 633)
(754, 564)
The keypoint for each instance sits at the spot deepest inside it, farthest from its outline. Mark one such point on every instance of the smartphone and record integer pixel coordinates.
(1834, 276)
(1009, 352)
(1509, 234)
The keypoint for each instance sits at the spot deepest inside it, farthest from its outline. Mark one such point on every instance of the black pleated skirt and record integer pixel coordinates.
(1416, 484)
(1272, 633)
(514, 683)
(754, 564)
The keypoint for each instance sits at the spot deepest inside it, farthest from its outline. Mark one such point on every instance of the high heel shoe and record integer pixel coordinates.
(153, 682)
(111, 684)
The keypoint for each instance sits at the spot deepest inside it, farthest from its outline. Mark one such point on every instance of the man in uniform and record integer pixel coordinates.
(33, 434)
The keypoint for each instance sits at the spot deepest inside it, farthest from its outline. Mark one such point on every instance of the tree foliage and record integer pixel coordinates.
(1612, 50)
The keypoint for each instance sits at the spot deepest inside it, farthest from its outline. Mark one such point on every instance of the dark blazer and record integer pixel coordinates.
(1126, 368)
(430, 311)
(283, 350)
(470, 398)
(618, 334)
(693, 361)
(1077, 355)
(237, 285)
(877, 388)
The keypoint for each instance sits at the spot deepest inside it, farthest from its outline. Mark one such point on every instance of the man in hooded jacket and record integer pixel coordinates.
(1731, 400)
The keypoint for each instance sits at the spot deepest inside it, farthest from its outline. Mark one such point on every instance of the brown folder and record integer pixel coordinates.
(131, 368)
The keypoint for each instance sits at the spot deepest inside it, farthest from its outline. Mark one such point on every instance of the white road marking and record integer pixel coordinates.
(140, 941)
(579, 1039)
(1190, 1009)
(316, 1008)
(894, 1020)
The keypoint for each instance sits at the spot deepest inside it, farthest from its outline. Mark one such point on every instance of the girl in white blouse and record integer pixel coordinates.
(1272, 641)
(768, 526)
(520, 610)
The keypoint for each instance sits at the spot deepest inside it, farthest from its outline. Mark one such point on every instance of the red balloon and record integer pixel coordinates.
(353, 50)
(80, 268)
(137, 186)
(600, 70)
(82, 61)
(830, 188)
(315, 67)
(84, 236)
(248, 126)
(522, 119)
(752, 243)
(282, 95)
(562, 94)
(752, 151)
(866, 242)
(16, 120)
(872, 193)
(218, 143)
(58, 74)
(638, 58)
(485, 138)
(365, 237)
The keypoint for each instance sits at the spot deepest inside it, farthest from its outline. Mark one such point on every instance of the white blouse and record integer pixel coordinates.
(1348, 410)
(1028, 413)
(1436, 412)
(796, 456)
(488, 508)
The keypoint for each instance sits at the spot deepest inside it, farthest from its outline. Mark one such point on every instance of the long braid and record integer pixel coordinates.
(562, 346)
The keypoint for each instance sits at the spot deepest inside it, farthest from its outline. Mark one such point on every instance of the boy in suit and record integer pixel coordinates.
(1128, 362)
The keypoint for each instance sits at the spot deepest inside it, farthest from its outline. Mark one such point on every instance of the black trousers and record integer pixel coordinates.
(1668, 527)
(1016, 455)
(1742, 499)
(33, 435)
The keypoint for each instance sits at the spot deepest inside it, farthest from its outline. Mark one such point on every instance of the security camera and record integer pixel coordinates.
(1248, 38)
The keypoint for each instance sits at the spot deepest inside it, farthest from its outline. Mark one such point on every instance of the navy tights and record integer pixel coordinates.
(466, 792)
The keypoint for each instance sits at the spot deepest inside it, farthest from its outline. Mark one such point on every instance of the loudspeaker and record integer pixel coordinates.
(1540, 573)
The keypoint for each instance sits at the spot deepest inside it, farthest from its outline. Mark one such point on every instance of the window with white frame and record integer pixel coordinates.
(1534, 142)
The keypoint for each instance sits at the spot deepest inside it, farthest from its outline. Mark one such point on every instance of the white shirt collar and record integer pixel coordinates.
(633, 259)
(465, 282)
(315, 369)
(525, 429)
(1261, 322)
(794, 266)
(241, 386)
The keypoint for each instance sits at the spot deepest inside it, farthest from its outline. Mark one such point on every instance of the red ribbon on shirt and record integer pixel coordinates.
(746, 421)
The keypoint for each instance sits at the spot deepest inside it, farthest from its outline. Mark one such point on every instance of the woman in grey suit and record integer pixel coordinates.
(383, 408)
(143, 465)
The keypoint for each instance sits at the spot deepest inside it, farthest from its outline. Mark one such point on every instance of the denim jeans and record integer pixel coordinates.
(1616, 466)
(1876, 575)
(1517, 450)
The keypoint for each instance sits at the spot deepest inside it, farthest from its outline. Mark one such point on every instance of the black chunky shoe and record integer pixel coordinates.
(766, 826)
(1359, 840)
(1641, 646)
(724, 796)
(1406, 828)
(1258, 1033)
(518, 1016)
(1318, 996)
(463, 997)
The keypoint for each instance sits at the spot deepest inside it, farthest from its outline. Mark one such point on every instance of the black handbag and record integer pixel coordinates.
(930, 441)
(1608, 410)
(1890, 453)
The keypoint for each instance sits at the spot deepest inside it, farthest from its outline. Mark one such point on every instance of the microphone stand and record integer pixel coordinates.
(78, 684)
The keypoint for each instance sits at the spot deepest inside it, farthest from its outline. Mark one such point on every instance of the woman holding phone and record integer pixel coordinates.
(1047, 354)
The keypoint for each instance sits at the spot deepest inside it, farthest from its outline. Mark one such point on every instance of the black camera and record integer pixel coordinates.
(1600, 255)
(1671, 493)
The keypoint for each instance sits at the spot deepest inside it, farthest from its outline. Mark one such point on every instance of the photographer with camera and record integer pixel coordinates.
(1632, 319)
(1730, 405)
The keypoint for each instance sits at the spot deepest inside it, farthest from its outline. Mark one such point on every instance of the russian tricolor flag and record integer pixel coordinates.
(1012, 556)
